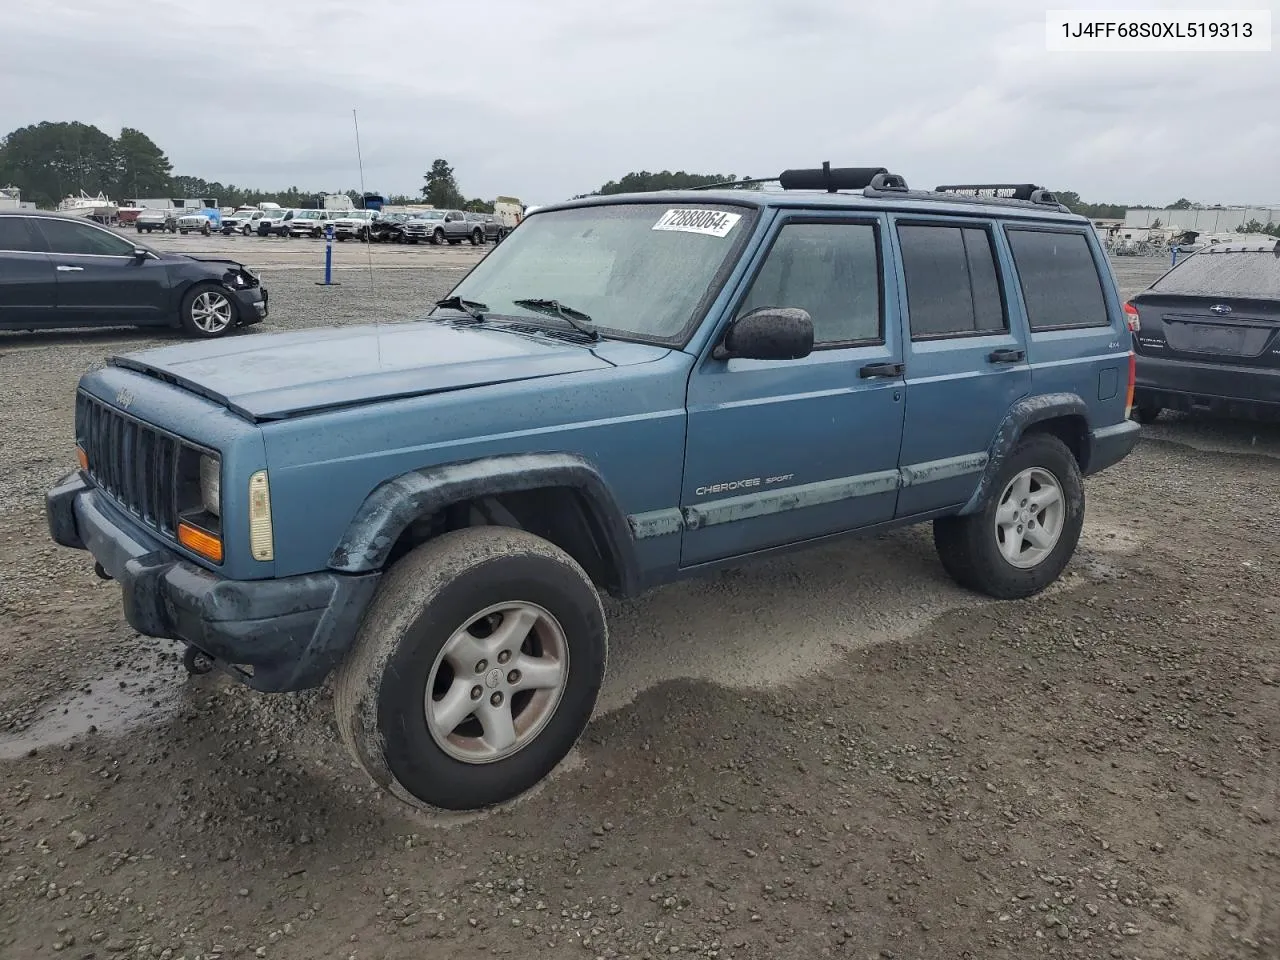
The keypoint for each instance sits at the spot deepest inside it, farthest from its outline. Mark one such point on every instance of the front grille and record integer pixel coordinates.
(136, 464)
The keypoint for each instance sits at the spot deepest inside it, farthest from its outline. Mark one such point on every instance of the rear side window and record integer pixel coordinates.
(1059, 278)
(952, 286)
(16, 235)
(1238, 274)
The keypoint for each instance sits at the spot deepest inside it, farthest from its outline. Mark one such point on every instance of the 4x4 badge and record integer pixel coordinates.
(123, 399)
(1220, 308)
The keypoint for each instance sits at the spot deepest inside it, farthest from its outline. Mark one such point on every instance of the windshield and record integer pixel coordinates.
(431, 215)
(641, 269)
(1243, 274)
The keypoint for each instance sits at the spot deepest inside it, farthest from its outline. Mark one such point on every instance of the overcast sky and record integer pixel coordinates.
(543, 99)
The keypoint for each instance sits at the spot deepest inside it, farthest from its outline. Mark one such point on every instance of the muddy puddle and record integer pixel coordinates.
(113, 705)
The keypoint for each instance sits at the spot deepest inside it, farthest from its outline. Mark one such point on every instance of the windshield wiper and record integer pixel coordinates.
(580, 321)
(471, 308)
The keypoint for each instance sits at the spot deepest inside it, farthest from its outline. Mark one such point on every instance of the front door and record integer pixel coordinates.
(966, 361)
(783, 451)
(27, 285)
(99, 277)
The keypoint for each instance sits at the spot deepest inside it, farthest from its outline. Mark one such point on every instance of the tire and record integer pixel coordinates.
(1146, 413)
(437, 237)
(245, 230)
(970, 547)
(139, 229)
(421, 607)
(207, 311)
(206, 230)
(477, 238)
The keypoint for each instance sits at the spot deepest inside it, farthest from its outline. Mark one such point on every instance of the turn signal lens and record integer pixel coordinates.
(261, 542)
(197, 541)
(1131, 317)
(82, 458)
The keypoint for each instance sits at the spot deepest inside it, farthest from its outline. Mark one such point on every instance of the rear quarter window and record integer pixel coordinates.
(1059, 279)
(1245, 274)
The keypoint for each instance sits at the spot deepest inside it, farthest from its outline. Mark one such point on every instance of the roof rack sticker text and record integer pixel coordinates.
(711, 223)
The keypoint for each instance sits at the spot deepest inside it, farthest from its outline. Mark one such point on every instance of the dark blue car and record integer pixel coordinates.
(58, 271)
(627, 391)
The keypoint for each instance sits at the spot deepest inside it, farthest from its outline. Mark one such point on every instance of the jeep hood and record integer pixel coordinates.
(276, 376)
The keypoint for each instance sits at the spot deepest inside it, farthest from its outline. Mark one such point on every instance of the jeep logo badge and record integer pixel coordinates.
(123, 399)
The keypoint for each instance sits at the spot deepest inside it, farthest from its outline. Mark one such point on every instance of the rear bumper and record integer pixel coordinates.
(290, 633)
(1189, 385)
(1109, 445)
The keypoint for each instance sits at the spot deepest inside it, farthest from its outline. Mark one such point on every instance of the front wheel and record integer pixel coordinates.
(1028, 528)
(476, 669)
(207, 312)
(438, 236)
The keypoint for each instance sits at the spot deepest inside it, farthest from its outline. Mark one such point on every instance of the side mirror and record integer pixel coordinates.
(768, 333)
(140, 254)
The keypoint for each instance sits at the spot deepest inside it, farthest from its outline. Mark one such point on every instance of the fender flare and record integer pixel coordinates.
(394, 504)
(1025, 413)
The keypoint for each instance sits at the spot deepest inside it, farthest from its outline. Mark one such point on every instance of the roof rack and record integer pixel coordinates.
(879, 182)
(1001, 191)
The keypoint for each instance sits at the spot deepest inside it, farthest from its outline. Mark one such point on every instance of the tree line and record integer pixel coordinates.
(48, 161)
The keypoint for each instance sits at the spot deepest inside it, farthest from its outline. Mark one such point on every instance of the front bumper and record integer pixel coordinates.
(252, 304)
(1188, 385)
(274, 635)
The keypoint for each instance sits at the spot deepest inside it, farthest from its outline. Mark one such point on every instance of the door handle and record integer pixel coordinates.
(881, 370)
(1007, 355)
(63, 268)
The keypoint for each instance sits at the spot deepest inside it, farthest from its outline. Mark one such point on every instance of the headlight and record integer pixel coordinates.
(211, 484)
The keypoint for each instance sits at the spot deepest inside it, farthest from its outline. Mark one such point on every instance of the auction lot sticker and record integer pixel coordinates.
(709, 223)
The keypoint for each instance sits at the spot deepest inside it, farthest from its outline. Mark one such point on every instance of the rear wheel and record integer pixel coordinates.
(1025, 533)
(476, 669)
(477, 238)
(207, 312)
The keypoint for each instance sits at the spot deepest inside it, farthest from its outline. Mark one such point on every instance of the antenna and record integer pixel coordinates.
(368, 244)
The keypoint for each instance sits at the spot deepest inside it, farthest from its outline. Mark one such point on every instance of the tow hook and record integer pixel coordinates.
(101, 571)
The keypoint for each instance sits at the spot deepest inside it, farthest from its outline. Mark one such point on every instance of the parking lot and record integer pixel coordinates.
(837, 753)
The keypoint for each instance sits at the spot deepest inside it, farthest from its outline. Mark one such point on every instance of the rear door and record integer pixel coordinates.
(28, 288)
(1078, 341)
(1217, 309)
(966, 361)
(783, 451)
(99, 279)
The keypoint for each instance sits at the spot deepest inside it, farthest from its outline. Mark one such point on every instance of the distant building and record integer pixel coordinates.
(1207, 220)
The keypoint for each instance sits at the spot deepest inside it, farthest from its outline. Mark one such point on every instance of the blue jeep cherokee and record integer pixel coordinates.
(629, 390)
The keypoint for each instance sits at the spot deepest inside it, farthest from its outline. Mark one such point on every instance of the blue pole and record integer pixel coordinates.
(328, 259)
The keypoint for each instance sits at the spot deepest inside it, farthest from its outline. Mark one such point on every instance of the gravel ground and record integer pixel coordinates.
(836, 753)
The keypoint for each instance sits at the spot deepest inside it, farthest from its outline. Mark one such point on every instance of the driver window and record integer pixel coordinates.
(831, 270)
(69, 237)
